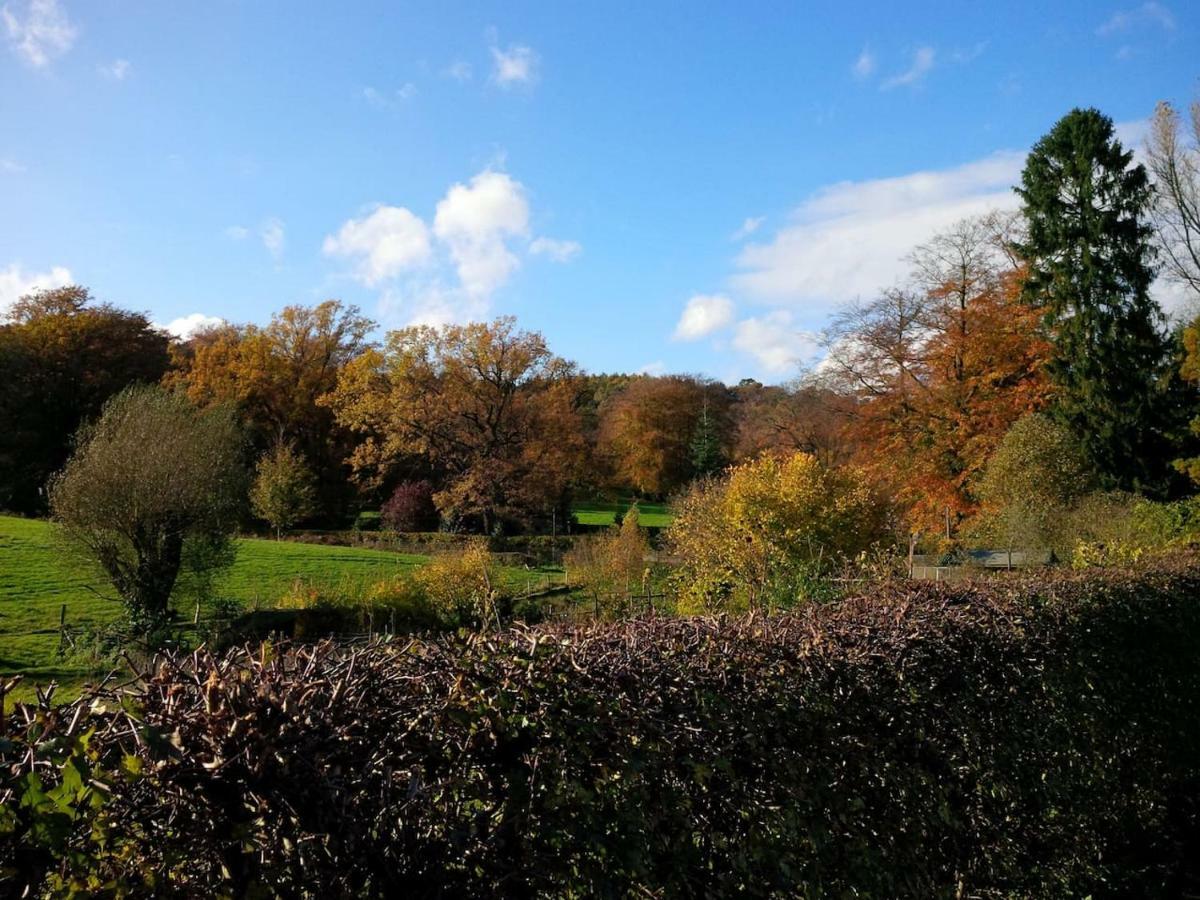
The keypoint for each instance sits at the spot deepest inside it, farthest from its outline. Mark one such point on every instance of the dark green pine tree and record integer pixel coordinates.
(704, 451)
(1090, 263)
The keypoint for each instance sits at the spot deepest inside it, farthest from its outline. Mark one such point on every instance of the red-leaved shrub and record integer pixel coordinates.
(410, 508)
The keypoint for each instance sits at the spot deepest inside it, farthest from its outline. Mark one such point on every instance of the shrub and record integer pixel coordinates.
(410, 508)
(1031, 738)
(1032, 480)
(769, 532)
(462, 588)
(611, 567)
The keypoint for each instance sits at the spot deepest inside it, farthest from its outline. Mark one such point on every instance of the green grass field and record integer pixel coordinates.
(37, 579)
(650, 515)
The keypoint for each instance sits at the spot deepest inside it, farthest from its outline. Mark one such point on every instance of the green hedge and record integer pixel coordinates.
(1036, 738)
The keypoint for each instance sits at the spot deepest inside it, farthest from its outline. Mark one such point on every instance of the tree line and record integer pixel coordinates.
(481, 427)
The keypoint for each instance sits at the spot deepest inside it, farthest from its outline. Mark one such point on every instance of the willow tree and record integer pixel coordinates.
(154, 490)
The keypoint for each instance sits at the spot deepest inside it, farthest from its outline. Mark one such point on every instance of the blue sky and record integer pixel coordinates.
(655, 186)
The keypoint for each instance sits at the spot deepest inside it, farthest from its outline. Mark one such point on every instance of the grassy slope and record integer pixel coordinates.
(37, 580)
(650, 515)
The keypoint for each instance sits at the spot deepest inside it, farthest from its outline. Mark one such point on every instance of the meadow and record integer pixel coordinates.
(39, 579)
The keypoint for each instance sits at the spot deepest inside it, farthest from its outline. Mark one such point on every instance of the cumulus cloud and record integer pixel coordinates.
(558, 251)
(922, 65)
(386, 242)
(15, 282)
(186, 326)
(450, 269)
(40, 33)
(273, 238)
(515, 67)
(1152, 14)
(703, 315)
(775, 342)
(864, 66)
(658, 367)
(474, 220)
(850, 239)
(117, 70)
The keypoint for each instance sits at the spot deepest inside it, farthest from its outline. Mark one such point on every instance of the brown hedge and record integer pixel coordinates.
(1036, 737)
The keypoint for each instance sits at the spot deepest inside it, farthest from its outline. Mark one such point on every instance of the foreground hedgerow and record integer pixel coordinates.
(1032, 738)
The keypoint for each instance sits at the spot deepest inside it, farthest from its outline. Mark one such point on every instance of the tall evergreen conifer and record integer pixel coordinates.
(1090, 264)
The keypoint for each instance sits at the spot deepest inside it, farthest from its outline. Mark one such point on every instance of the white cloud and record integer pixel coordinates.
(43, 33)
(117, 70)
(515, 66)
(272, 234)
(921, 66)
(15, 282)
(10, 166)
(775, 342)
(703, 315)
(388, 241)
(474, 220)
(558, 251)
(459, 70)
(237, 232)
(1147, 14)
(186, 326)
(658, 367)
(864, 66)
(447, 271)
(850, 239)
(748, 227)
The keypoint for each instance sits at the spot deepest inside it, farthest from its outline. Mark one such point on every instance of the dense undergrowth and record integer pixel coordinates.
(1035, 737)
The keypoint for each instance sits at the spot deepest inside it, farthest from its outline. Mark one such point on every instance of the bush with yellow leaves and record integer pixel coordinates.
(462, 588)
(769, 533)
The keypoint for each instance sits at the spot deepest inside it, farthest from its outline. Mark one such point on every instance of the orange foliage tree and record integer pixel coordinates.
(941, 368)
(486, 407)
(274, 376)
(646, 431)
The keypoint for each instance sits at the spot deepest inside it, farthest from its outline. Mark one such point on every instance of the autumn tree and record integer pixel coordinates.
(1090, 262)
(940, 368)
(808, 416)
(62, 356)
(647, 432)
(282, 493)
(275, 374)
(155, 488)
(486, 406)
(1173, 155)
(1189, 371)
(769, 531)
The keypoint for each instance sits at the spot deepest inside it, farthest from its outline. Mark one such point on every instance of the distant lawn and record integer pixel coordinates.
(652, 515)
